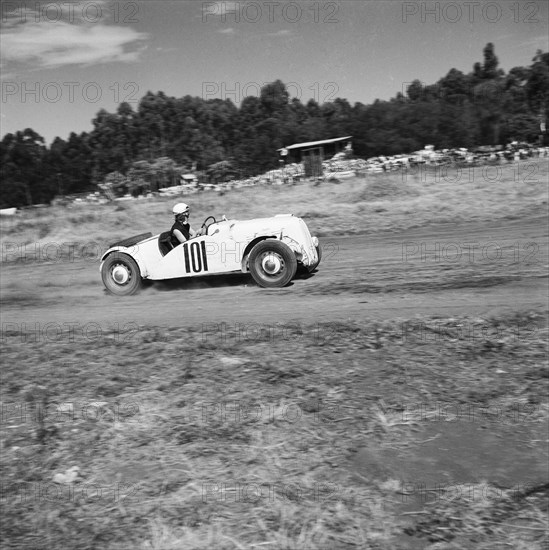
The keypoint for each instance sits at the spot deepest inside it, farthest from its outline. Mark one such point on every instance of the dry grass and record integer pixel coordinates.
(361, 205)
(172, 431)
(192, 474)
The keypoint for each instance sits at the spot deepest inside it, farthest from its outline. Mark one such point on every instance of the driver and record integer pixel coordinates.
(181, 229)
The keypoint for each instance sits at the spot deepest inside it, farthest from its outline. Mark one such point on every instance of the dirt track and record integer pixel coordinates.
(413, 421)
(386, 275)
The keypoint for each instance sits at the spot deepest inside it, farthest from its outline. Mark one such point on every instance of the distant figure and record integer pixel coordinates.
(181, 229)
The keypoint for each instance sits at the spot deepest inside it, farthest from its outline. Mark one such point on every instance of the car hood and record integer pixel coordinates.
(246, 229)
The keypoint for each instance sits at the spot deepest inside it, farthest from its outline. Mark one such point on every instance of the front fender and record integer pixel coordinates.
(305, 255)
(292, 243)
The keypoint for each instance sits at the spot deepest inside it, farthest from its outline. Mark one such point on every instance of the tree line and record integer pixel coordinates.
(166, 135)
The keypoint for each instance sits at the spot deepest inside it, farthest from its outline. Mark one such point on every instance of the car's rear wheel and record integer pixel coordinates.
(272, 264)
(121, 275)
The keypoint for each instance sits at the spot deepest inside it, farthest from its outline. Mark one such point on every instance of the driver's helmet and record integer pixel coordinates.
(181, 209)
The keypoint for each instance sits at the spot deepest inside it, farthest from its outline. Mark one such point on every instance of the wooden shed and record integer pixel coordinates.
(312, 153)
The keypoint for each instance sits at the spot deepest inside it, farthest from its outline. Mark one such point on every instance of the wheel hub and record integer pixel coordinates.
(121, 274)
(272, 264)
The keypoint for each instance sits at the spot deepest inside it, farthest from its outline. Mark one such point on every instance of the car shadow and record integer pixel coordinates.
(217, 281)
(305, 274)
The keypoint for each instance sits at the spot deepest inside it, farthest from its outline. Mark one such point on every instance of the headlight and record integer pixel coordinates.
(315, 241)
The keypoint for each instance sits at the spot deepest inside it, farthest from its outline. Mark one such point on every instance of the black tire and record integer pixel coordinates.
(272, 264)
(319, 254)
(127, 267)
(130, 241)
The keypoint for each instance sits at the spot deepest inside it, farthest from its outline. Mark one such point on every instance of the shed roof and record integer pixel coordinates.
(313, 143)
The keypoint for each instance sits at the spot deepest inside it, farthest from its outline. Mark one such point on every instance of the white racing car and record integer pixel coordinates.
(271, 249)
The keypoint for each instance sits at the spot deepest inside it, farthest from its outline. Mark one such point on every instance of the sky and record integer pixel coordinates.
(61, 62)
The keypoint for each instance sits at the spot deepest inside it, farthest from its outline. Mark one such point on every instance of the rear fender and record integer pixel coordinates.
(132, 240)
(129, 252)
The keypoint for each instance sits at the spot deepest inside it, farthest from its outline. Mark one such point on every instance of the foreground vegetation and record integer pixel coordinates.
(180, 438)
(402, 434)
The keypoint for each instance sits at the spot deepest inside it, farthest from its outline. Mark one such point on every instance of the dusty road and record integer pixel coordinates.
(450, 269)
(404, 419)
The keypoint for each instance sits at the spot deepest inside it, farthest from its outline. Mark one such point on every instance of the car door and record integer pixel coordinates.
(205, 255)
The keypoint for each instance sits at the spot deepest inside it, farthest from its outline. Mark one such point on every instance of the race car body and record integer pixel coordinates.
(269, 248)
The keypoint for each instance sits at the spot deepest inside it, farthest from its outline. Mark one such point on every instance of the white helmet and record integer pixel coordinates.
(180, 208)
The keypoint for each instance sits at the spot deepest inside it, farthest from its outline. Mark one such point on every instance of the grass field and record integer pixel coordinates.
(195, 439)
(377, 202)
(415, 432)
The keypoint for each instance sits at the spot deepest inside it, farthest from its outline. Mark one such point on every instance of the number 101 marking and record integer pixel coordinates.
(195, 257)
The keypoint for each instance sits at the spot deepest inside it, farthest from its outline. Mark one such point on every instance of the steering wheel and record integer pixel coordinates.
(206, 224)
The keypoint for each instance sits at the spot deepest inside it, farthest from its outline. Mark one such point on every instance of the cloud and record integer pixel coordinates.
(79, 12)
(282, 32)
(54, 44)
(538, 42)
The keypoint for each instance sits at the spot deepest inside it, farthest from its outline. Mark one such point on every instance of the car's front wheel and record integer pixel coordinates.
(120, 274)
(272, 264)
